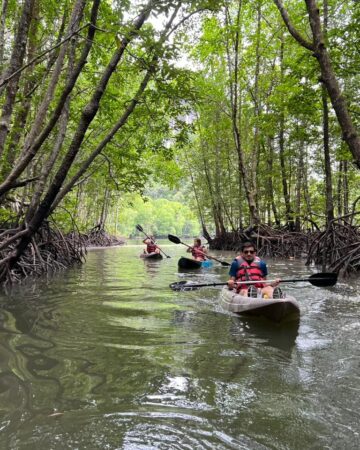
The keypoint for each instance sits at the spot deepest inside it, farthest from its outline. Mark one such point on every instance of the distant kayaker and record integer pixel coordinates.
(151, 246)
(249, 267)
(198, 251)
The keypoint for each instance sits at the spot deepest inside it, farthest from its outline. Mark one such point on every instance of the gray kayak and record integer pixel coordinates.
(275, 309)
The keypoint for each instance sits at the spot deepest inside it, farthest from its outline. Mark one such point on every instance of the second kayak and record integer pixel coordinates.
(187, 263)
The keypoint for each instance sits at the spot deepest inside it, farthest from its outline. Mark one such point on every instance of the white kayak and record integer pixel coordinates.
(276, 309)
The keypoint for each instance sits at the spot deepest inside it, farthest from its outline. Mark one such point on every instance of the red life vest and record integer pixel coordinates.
(151, 248)
(249, 272)
(198, 252)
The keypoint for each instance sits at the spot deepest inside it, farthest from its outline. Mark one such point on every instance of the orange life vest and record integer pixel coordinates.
(150, 248)
(249, 272)
(198, 252)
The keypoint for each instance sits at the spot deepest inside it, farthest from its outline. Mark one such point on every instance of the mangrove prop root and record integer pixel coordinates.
(97, 237)
(335, 249)
(49, 251)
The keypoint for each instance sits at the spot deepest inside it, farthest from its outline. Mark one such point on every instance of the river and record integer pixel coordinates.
(106, 356)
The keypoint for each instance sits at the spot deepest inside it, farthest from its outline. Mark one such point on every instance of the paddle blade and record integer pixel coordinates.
(183, 286)
(174, 239)
(323, 279)
(224, 263)
(139, 228)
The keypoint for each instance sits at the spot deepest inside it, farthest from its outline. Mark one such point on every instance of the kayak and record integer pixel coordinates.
(187, 263)
(151, 256)
(276, 309)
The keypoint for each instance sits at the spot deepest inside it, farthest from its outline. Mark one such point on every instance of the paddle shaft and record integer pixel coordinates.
(320, 280)
(138, 227)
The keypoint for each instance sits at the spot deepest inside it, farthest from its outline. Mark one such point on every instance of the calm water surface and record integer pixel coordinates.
(106, 356)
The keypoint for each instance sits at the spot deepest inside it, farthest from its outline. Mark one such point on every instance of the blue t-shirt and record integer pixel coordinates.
(235, 267)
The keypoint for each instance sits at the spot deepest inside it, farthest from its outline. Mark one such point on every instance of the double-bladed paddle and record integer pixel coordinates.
(176, 240)
(321, 279)
(140, 228)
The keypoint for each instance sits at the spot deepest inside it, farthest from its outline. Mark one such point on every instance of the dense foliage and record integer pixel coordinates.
(259, 151)
(252, 103)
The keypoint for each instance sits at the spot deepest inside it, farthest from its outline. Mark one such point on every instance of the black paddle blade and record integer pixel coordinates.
(174, 239)
(183, 286)
(323, 279)
(139, 227)
(224, 263)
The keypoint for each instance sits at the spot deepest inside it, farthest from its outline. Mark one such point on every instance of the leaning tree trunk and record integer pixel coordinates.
(328, 77)
(11, 181)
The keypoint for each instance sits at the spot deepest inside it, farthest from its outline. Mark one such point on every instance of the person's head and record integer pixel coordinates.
(197, 242)
(248, 251)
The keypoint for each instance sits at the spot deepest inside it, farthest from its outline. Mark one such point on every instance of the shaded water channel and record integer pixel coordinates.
(106, 356)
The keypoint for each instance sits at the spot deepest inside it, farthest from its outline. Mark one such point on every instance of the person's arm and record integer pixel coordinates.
(232, 272)
(264, 270)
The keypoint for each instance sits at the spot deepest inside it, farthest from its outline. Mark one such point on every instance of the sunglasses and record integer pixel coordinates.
(250, 252)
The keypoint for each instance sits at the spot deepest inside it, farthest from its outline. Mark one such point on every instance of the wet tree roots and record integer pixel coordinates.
(335, 249)
(50, 250)
(97, 237)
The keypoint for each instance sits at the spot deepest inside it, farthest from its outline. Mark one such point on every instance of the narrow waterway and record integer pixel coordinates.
(106, 356)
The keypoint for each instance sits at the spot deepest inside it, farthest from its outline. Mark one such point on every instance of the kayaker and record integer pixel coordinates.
(198, 251)
(249, 267)
(151, 246)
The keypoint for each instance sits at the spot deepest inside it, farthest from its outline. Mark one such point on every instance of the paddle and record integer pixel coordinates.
(317, 279)
(140, 228)
(176, 240)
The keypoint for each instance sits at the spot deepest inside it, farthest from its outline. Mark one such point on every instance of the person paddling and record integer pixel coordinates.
(249, 267)
(198, 251)
(151, 246)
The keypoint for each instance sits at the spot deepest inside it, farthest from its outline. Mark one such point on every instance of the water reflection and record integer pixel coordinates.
(281, 336)
(107, 356)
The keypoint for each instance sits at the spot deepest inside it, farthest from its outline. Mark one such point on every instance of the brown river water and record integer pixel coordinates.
(107, 356)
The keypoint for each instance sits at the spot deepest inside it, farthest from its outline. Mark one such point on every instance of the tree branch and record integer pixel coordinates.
(294, 33)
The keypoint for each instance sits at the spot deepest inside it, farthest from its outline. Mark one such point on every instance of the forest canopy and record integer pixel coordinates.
(251, 104)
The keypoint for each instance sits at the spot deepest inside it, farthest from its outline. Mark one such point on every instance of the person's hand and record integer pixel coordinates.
(231, 284)
(275, 282)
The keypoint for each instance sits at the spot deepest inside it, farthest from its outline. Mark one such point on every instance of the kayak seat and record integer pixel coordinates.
(278, 293)
(252, 292)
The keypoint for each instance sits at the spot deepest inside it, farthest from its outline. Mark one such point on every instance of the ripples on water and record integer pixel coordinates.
(106, 356)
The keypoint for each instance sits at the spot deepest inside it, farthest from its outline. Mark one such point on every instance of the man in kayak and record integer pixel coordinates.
(151, 246)
(198, 251)
(249, 267)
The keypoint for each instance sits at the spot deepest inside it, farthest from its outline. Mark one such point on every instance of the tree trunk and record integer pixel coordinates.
(63, 121)
(4, 7)
(339, 189)
(235, 115)
(10, 182)
(328, 78)
(270, 184)
(327, 160)
(286, 193)
(346, 188)
(16, 61)
(299, 186)
(152, 67)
